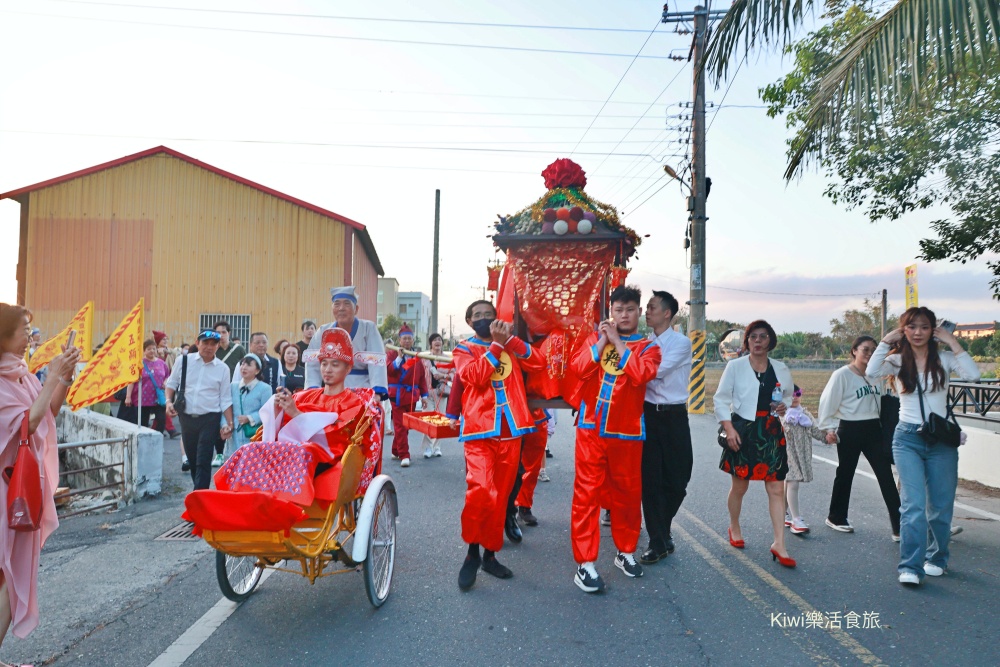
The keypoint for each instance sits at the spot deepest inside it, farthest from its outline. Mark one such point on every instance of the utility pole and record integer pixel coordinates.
(885, 306)
(696, 202)
(437, 248)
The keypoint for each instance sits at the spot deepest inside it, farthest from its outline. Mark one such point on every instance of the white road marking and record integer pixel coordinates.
(967, 508)
(185, 645)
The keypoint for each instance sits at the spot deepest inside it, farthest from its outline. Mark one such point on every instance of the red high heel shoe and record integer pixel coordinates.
(739, 544)
(787, 562)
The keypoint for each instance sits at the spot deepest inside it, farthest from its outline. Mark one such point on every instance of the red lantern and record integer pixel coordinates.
(618, 276)
(493, 277)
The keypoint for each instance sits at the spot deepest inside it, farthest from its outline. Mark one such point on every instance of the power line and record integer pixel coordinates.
(358, 18)
(725, 94)
(613, 90)
(647, 199)
(644, 113)
(317, 143)
(751, 291)
(352, 38)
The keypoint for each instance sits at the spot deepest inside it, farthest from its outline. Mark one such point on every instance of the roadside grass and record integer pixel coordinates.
(810, 381)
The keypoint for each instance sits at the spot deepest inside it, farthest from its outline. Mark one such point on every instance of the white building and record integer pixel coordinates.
(415, 310)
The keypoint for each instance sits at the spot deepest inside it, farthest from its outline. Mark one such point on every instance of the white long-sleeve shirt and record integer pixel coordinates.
(670, 386)
(848, 397)
(882, 364)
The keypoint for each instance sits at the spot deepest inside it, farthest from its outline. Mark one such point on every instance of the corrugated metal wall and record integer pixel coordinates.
(190, 241)
(366, 281)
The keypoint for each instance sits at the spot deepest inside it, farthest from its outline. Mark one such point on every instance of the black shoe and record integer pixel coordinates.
(548, 454)
(606, 518)
(588, 580)
(467, 575)
(626, 563)
(651, 555)
(526, 516)
(185, 466)
(669, 545)
(511, 528)
(493, 566)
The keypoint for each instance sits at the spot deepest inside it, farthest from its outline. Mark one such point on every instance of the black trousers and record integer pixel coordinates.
(157, 412)
(667, 461)
(200, 434)
(857, 438)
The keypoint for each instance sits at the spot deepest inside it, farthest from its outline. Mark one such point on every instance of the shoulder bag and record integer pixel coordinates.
(938, 429)
(179, 401)
(743, 428)
(161, 396)
(24, 486)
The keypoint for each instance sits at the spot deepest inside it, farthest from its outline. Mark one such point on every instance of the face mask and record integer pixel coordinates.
(482, 328)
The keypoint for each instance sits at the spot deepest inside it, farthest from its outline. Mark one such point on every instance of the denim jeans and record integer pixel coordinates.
(928, 475)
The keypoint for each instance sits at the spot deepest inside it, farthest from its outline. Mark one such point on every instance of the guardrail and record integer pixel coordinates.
(93, 469)
(976, 400)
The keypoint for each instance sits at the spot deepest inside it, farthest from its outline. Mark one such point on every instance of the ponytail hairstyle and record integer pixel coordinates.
(933, 369)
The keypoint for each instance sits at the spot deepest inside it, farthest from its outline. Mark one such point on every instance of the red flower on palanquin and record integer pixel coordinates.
(760, 471)
(742, 472)
(564, 173)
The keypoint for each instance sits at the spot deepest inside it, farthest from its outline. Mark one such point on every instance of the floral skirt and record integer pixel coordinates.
(764, 456)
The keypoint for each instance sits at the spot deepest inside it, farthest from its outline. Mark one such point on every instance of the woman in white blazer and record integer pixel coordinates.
(755, 439)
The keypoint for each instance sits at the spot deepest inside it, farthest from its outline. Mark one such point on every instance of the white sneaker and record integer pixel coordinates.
(427, 452)
(955, 530)
(909, 578)
(932, 570)
(217, 461)
(845, 527)
(405, 463)
(436, 450)
(799, 526)
(895, 537)
(543, 476)
(788, 519)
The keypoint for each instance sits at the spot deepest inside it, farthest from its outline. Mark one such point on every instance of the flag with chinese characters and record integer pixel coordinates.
(117, 363)
(83, 324)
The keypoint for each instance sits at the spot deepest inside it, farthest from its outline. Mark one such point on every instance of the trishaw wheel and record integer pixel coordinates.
(381, 546)
(238, 575)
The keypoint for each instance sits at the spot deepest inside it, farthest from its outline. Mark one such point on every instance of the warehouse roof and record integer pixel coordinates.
(362, 232)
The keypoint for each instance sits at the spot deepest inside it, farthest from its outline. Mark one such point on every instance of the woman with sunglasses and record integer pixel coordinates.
(755, 441)
(928, 470)
(852, 400)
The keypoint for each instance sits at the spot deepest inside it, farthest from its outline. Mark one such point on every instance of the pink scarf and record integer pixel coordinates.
(12, 366)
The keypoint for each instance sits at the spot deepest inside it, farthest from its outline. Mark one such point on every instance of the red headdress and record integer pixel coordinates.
(336, 344)
(405, 330)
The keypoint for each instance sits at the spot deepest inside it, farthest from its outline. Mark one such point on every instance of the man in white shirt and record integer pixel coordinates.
(667, 458)
(369, 352)
(207, 398)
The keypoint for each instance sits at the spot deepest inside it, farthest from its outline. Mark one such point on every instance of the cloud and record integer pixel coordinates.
(807, 302)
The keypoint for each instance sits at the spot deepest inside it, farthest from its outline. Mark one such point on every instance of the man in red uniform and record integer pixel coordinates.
(407, 387)
(614, 368)
(494, 417)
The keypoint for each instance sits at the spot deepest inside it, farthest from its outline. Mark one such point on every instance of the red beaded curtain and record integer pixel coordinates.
(557, 286)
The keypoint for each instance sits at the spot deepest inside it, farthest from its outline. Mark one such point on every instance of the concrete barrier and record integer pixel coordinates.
(979, 457)
(142, 455)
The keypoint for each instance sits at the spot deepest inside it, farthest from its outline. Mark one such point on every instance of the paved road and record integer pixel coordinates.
(708, 603)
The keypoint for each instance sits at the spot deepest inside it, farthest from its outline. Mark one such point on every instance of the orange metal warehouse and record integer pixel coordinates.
(192, 239)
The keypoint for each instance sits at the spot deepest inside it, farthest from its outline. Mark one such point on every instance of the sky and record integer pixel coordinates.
(354, 116)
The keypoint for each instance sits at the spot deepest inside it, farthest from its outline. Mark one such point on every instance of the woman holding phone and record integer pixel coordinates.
(292, 374)
(20, 393)
(249, 394)
(928, 469)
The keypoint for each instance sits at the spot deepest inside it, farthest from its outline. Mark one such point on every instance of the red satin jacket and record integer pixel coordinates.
(612, 390)
(493, 394)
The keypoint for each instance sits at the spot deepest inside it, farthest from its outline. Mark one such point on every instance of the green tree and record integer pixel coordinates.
(899, 102)
(390, 326)
(866, 321)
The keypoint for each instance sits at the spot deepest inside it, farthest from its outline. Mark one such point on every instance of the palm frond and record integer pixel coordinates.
(916, 46)
(749, 24)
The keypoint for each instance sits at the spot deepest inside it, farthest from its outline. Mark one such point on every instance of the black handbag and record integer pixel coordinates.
(179, 401)
(938, 429)
(742, 426)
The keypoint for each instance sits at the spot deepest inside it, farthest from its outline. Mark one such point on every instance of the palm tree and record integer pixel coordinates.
(916, 47)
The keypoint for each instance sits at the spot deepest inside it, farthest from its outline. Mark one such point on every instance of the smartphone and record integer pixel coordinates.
(948, 326)
(71, 341)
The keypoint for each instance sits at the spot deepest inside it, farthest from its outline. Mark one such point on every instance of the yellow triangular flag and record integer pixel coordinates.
(117, 364)
(83, 323)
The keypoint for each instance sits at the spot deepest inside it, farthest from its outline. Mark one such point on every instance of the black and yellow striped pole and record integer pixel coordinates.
(696, 386)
